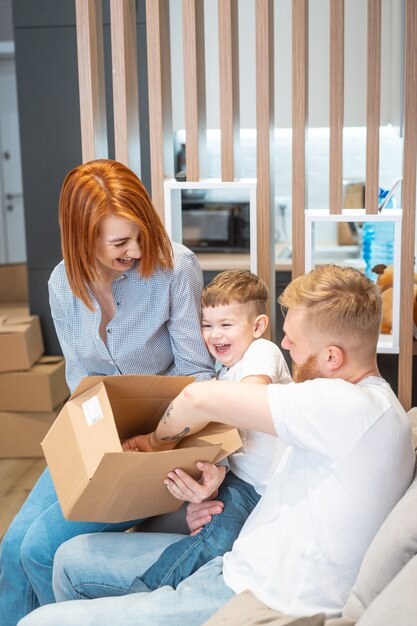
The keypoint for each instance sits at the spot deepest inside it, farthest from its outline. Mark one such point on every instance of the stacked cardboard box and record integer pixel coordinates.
(32, 389)
(14, 290)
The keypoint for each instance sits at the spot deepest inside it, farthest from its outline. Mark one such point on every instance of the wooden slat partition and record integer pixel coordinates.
(299, 123)
(125, 83)
(336, 105)
(409, 206)
(194, 88)
(373, 106)
(89, 24)
(160, 100)
(264, 18)
(229, 88)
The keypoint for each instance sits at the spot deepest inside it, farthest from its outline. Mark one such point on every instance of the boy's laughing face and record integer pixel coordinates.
(228, 330)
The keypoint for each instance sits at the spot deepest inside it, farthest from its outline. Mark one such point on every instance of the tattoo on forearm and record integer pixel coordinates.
(176, 437)
(167, 413)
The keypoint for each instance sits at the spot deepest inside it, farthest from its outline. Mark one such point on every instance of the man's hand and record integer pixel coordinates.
(139, 443)
(146, 443)
(198, 515)
(185, 488)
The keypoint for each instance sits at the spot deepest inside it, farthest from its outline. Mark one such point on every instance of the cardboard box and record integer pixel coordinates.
(14, 283)
(21, 433)
(94, 479)
(14, 292)
(14, 309)
(42, 388)
(21, 342)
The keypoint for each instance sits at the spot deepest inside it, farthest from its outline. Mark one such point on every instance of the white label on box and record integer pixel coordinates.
(92, 410)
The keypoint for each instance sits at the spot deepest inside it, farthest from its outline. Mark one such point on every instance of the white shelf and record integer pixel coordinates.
(173, 207)
(388, 344)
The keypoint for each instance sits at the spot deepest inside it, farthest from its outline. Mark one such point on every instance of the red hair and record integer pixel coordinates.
(91, 192)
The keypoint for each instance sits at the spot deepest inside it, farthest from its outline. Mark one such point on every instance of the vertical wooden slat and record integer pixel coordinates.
(299, 124)
(89, 24)
(194, 88)
(229, 88)
(336, 105)
(409, 206)
(373, 106)
(160, 101)
(125, 83)
(264, 18)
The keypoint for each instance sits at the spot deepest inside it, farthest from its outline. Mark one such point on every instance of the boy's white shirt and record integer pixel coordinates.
(261, 452)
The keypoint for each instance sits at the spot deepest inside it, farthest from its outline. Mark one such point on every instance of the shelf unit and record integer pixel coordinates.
(173, 207)
(388, 344)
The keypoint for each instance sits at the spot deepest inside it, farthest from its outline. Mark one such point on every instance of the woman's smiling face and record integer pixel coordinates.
(117, 244)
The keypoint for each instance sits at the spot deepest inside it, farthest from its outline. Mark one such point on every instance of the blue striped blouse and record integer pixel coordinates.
(156, 328)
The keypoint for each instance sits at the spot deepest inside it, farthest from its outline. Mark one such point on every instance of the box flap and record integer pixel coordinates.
(49, 360)
(15, 324)
(137, 488)
(94, 426)
(215, 434)
(138, 401)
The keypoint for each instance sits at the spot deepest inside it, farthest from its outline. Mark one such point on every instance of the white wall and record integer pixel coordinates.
(355, 62)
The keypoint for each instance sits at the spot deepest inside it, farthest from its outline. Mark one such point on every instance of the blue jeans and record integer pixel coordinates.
(28, 548)
(185, 557)
(93, 566)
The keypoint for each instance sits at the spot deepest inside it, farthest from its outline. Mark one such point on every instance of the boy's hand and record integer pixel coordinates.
(198, 515)
(185, 488)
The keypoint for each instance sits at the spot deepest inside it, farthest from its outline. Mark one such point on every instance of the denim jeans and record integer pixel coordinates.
(28, 549)
(93, 566)
(185, 557)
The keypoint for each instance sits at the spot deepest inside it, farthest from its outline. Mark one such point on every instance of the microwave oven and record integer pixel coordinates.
(215, 226)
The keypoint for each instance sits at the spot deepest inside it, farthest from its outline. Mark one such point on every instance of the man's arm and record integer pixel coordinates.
(243, 406)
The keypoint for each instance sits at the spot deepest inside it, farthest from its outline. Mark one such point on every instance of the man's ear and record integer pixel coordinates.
(260, 325)
(334, 358)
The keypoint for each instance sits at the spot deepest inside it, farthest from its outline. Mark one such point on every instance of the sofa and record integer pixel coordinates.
(385, 590)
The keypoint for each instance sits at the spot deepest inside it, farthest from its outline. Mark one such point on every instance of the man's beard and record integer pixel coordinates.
(307, 371)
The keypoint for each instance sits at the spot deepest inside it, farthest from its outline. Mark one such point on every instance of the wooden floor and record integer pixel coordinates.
(17, 477)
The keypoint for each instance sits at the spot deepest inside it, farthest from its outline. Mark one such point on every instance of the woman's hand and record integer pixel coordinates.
(198, 515)
(185, 488)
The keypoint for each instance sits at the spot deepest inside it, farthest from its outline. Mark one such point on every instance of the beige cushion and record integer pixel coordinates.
(396, 605)
(246, 610)
(412, 414)
(393, 546)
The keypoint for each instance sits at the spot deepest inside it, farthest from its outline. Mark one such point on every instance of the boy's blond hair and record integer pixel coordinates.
(337, 299)
(236, 287)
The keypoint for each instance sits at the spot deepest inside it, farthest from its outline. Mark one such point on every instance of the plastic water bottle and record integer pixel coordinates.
(378, 240)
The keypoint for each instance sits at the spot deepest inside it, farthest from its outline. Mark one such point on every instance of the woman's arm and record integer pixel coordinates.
(75, 370)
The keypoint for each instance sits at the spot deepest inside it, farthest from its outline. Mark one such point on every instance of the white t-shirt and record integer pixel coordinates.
(261, 452)
(349, 460)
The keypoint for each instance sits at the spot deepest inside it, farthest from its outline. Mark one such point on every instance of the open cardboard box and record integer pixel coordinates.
(94, 478)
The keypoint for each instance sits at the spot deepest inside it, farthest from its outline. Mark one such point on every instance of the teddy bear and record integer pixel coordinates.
(385, 281)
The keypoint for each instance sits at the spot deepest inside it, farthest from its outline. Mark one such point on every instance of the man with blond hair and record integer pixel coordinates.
(349, 459)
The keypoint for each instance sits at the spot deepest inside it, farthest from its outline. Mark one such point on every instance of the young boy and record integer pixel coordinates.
(233, 322)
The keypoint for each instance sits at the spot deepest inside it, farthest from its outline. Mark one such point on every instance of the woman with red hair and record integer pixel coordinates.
(124, 300)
